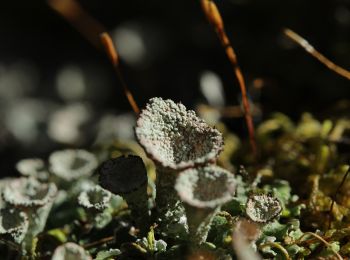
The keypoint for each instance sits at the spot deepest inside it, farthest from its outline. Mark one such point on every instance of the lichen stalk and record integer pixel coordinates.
(171, 216)
(199, 221)
(138, 204)
(127, 177)
(33, 198)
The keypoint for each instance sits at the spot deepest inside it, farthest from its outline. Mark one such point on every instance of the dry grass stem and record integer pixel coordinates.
(112, 54)
(320, 239)
(86, 25)
(316, 54)
(213, 15)
(96, 34)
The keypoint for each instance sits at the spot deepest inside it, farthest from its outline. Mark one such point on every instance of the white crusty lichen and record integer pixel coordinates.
(32, 167)
(95, 198)
(262, 208)
(127, 176)
(203, 191)
(175, 139)
(70, 165)
(13, 224)
(28, 192)
(70, 251)
(108, 254)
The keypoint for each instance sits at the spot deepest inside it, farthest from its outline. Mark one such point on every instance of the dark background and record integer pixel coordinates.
(179, 44)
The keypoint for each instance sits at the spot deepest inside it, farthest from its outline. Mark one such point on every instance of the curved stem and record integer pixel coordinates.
(316, 54)
(278, 246)
(320, 239)
(99, 242)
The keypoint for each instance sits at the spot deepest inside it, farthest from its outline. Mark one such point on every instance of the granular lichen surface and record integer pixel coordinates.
(174, 136)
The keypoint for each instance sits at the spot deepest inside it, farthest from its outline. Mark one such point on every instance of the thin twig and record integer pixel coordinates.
(320, 239)
(213, 15)
(99, 242)
(84, 23)
(316, 54)
(335, 196)
(112, 54)
(95, 33)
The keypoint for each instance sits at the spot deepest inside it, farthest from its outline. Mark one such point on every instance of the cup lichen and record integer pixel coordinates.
(35, 199)
(175, 139)
(263, 208)
(70, 165)
(203, 191)
(29, 193)
(70, 251)
(32, 167)
(13, 224)
(95, 198)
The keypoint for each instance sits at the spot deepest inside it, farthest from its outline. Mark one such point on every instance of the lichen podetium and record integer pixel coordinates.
(175, 139)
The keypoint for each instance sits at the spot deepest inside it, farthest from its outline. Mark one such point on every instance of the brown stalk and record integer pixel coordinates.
(95, 33)
(277, 246)
(316, 54)
(114, 58)
(99, 242)
(86, 25)
(213, 15)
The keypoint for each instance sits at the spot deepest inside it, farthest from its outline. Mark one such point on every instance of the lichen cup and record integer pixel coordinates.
(70, 251)
(203, 191)
(127, 177)
(35, 199)
(263, 208)
(94, 199)
(33, 167)
(13, 225)
(175, 139)
(71, 165)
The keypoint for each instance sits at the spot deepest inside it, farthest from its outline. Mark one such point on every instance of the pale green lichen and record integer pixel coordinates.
(70, 251)
(32, 167)
(34, 198)
(156, 246)
(95, 198)
(170, 210)
(108, 254)
(203, 191)
(262, 208)
(71, 165)
(13, 224)
(29, 192)
(176, 139)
